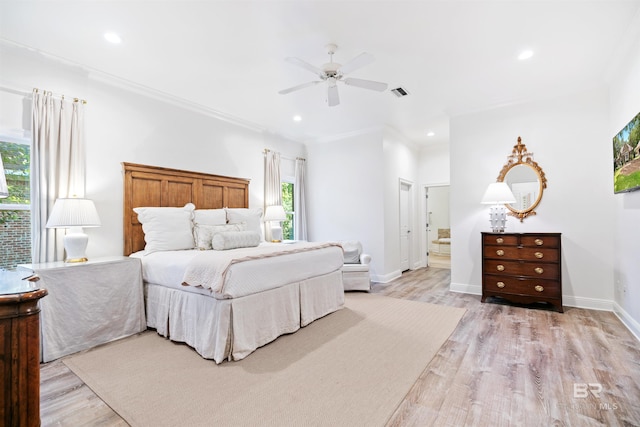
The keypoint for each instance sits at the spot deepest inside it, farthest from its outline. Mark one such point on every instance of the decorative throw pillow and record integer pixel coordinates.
(352, 250)
(251, 216)
(205, 233)
(235, 239)
(166, 229)
(210, 216)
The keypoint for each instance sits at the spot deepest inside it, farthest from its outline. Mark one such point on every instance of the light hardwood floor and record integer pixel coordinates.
(503, 365)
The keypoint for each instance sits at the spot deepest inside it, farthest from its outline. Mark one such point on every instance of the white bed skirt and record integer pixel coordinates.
(231, 329)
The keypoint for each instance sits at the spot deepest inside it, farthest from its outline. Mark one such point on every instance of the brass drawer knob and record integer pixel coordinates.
(539, 242)
(539, 255)
(500, 267)
(500, 284)
(539, 288)
(499, 240)
(539, 270)
(500, 252)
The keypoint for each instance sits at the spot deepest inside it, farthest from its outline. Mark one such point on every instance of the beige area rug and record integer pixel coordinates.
(350, 368)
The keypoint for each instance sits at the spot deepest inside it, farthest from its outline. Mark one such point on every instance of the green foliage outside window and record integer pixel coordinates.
(16, 159)
(287, 204)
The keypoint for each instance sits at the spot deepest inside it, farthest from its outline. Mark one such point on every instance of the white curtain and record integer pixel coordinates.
(57, 168)
(299, 203)
(272, 186)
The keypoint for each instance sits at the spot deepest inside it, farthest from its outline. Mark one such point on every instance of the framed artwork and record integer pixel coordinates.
(626, 157)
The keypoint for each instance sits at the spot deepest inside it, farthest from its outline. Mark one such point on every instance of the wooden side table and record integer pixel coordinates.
(20, 353)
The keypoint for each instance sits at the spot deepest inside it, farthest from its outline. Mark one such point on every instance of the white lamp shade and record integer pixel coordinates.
(73, 212)
(275, 213)
(4, 190)
(498, 193)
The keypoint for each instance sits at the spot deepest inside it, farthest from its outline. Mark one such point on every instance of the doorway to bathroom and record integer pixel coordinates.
(438, 233)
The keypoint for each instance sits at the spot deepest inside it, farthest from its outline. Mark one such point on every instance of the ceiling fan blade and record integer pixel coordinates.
(366, 84)
(357, 62)
(294, 88)
(332, 96)
(300, 63)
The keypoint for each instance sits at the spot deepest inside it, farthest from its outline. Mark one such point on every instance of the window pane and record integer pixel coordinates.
(287, 204)
(15, 221)
(16, 159)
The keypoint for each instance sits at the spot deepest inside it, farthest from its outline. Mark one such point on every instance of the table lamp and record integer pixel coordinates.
(497, 194)
(274, 215)
(74, 214)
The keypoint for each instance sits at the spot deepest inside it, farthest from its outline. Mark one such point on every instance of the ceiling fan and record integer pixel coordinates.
(331, 73)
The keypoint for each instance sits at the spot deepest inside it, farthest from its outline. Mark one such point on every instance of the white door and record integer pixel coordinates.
(405, 226)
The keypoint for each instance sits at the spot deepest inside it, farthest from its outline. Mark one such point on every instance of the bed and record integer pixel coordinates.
(223, 303)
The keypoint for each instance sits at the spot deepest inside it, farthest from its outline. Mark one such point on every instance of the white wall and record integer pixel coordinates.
(127, 126)
(433, 169)
(345, 202)
(400, 164)
(434, 165)
(356, 195)
(571, 141)
(625, 104)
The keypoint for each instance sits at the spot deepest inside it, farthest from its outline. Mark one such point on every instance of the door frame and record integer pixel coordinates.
(410, 207)
(424, 237)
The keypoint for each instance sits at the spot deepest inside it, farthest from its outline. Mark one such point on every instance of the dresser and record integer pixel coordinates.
(522, 267)
(19, 353)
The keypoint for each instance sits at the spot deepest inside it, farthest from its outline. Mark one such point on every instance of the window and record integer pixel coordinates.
(288, 232)
(15, 210)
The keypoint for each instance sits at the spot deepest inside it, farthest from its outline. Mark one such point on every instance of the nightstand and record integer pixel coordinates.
(89, 303)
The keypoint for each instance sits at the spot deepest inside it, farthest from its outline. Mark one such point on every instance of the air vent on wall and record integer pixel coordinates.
(400, 92)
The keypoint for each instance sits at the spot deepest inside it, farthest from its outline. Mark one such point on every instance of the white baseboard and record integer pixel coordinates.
(386, 278)
(590, 303)
(465, 289)
(628, 321)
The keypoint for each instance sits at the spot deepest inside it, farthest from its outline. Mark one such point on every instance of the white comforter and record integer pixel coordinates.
(239, 272)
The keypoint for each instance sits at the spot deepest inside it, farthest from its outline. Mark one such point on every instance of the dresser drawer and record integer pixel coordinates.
(500, 239)
(521, 253)
(520, 268)
(520, 286)
(540, 240)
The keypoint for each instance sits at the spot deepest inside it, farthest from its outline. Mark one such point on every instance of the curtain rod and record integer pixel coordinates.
(266, 150)
(15, 91)
(59, 95)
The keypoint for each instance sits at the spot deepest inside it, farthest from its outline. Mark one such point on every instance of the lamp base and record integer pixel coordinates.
(498, 218)
(75, 245)
(76, 260)
(276, 233)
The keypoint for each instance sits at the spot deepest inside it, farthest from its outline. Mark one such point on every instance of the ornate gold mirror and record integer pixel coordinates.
(526, 180)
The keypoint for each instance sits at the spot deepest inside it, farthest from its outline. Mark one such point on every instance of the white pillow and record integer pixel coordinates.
(205, 233)
(235, 239)
(352, 250)
(252, 216)
(166, 229)
(210, 216)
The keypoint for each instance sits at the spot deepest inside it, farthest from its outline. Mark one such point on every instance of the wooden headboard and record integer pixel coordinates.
(146, 186)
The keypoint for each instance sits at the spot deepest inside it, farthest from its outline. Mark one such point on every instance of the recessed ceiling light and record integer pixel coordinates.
(112, 37)
(430, 133)
(297, 118)
(525, 54)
